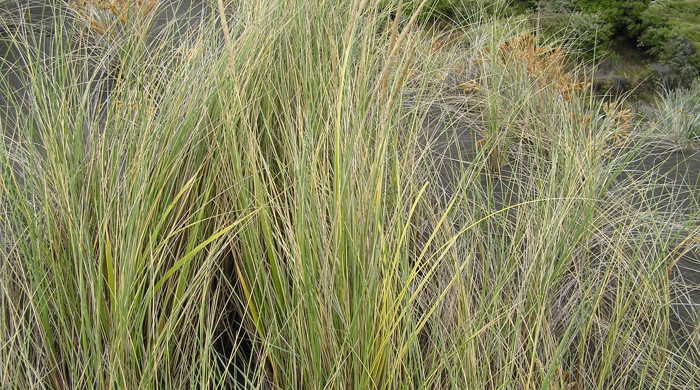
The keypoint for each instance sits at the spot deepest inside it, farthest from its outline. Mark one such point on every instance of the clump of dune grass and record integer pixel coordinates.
(677, 115)
(264, 207)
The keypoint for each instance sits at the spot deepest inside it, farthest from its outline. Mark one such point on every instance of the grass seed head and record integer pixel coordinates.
(102, 15)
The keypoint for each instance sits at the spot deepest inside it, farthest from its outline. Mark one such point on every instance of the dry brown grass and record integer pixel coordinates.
(622, 119)
(548, 68)
(546, 65)
(102, 15)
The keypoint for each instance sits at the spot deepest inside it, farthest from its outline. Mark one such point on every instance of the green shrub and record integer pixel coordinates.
(587, 34)
(593, 23)
(623, 15)
(558, 6)
(521, 6)
(457, 10)
(665, 36)
(668, 30)
(656, 30)
(679, 64)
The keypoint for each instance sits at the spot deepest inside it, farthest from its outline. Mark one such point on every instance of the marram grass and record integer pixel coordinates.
(261, 208)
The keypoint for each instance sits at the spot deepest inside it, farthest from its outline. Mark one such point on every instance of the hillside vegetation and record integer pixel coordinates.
(668, 31)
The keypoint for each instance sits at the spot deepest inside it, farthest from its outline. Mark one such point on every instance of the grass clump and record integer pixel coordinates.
(678, 115)
(274, 206)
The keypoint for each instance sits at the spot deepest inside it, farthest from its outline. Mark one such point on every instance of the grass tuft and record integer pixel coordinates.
(330, 195)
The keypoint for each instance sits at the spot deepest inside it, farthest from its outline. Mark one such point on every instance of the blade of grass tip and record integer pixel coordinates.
(182, 279)
(191, 254)
(414, 271)
(248, 295)
(404, 232)
(447, 246)
(688, 248)
(169, 208)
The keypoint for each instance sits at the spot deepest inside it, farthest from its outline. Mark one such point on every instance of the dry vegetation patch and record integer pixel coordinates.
(103, 15)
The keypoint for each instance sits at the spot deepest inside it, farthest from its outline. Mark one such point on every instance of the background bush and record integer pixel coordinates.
(666, 34)
(667, 30)
(588, 34)
(593, 23)
(623, 15)
(456, 10)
